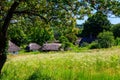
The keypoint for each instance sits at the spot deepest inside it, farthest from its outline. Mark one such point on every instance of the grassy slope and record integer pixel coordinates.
(89, 65)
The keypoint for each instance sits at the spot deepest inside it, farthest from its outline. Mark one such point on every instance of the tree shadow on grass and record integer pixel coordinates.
(37, 75)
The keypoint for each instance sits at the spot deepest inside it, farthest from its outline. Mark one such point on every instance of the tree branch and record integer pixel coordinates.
(8, 18)
(31, 13)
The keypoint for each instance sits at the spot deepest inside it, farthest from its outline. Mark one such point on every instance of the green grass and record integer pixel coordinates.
(103, 64)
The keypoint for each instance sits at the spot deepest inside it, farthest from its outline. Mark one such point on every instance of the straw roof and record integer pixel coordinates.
(33, 46)
(12, 47)
(51, 47)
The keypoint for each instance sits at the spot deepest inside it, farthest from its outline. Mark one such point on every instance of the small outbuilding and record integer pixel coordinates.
(33, 47)
(12, 48)
(51, 47)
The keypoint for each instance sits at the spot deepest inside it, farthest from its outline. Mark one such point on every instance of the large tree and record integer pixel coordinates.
(3, 31)
(48, 11)
(59, 11)
(96, 24)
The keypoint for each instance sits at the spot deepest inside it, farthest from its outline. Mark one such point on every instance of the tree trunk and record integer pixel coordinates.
(3, 34)
(3, 47)
(3, 58)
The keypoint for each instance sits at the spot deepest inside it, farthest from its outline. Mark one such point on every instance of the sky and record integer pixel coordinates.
(113, 20)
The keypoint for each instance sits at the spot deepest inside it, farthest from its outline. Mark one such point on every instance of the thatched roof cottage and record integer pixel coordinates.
(51, 47)
(12, 48)
(33, 47)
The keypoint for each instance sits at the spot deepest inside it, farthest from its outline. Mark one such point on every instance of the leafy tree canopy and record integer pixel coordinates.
(116, 30)
(96, 24)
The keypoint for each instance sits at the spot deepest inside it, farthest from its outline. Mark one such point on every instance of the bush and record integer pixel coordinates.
(65, 42)
(106, 39)
(84, 44)
(66, 45)
(71, 37)
(94, 45)
(117, 41)
(63, 39)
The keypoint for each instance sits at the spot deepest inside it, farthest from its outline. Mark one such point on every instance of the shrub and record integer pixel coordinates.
(63, 39)
(94, 45)
(65, 42)
(66, 45)
(84, 44)
(105, 39)
(71, 37)
(117, 41)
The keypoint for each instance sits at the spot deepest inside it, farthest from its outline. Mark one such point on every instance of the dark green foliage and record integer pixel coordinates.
(63, 39)
(116, 30)
(85, 44)
(57, 33)
(40, 35)
(106, 39)
(71, 37)
(17, 35)
(68, 31)
(65, 42)
(117, 41)
(71, 34)
(25, 32)
(79, 33)
(66, 45)
(96, 24)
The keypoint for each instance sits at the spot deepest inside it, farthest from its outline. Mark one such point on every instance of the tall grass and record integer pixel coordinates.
(92, 65)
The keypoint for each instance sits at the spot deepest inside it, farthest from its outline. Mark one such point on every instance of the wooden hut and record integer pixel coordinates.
(51, 47)
(12, 48)
(33, 47)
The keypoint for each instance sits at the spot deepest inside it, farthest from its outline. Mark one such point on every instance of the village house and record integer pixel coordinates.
(33, 47)
(12, 48)
(51, 47)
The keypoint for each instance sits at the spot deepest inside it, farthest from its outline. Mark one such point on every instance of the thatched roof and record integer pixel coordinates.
(12, 47)
(51, 47)
(33, 46)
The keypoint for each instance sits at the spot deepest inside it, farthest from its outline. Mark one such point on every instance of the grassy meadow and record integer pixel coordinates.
(99, 64)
